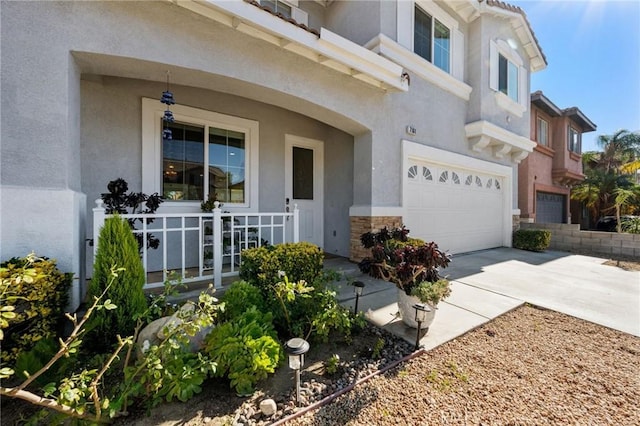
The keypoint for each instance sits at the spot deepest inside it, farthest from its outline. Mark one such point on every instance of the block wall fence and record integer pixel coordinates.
(569, 237)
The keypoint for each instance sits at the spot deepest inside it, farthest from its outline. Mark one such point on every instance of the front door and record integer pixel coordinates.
(304, 184)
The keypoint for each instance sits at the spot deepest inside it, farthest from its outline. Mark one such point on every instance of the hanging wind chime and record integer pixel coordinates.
(167, 118)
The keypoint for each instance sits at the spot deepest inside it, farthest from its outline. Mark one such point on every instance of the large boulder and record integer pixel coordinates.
(156, 331)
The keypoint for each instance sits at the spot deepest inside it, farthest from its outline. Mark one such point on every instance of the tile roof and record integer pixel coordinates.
(284, 18)
(517, 9)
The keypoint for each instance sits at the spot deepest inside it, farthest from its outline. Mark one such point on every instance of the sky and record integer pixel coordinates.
(593, 55)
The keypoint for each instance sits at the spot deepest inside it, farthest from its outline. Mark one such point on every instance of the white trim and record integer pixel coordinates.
(509, 105)
(483, 135)
(375, 211)
(416, 151)
(405, 20)
(152, 111)
(329, 49)
(421, 67)
(501, 47)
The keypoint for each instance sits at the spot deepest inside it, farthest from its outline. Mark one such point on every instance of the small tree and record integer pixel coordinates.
(117, 246)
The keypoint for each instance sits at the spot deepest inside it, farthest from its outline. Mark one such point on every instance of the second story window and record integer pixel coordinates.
(574, 141)
(508, 78)
(432, 40)
(543, 132)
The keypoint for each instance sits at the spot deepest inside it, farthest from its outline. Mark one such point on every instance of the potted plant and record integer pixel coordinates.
(412, 265)
(209, 205)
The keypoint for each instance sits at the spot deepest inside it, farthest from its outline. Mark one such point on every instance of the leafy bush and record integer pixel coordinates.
(166, 370)
(402, 261)
(116, 246)
(263, 266)
(532, 239)
(433, 292)
(28, 362)
(240, 297)
(631, 225)
(245, 349)
(169, 370)
(34, 295)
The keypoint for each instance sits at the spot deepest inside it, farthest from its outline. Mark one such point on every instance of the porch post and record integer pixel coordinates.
(217, 245)
(98, 223)
(296, 224)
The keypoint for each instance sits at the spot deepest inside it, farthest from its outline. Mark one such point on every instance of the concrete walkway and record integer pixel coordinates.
(489, 283)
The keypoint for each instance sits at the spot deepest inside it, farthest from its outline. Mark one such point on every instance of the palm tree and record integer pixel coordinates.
(607, 171)
(617, 150)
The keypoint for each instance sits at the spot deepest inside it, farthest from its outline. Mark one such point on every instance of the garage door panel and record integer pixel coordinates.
(461, 210)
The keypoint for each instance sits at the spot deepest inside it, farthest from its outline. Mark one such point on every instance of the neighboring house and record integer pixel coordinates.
(364, 113)
(546, 176)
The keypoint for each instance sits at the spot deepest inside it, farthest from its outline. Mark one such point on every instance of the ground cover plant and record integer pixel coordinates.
(242, 345)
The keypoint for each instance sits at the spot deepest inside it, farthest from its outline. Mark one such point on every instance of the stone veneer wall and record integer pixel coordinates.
(569, 237)
(515, 222)
(362, 224)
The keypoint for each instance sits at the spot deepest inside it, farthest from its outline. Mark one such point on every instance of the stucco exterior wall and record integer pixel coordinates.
(358, 21)
(108, 55)
(111, 147)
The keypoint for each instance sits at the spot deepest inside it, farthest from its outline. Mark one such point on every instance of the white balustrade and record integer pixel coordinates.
(202, 246)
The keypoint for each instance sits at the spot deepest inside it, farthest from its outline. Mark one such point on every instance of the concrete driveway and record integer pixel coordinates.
(489, 283)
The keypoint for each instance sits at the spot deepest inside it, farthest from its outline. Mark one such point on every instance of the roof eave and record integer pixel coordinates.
(328, 49)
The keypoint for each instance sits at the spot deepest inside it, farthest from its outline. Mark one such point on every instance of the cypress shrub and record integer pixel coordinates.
(116, 247)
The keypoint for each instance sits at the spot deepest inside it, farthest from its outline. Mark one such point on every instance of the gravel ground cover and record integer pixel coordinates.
(529, 367)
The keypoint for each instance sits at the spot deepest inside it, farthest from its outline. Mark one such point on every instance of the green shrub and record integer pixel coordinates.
(299, 261)
(240, 297)
(38, 293)
(29, 362)
(116, 247)
(169, 369)
(245, 349)
(532, 239)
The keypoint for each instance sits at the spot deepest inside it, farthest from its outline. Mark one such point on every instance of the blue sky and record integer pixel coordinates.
(593, 55)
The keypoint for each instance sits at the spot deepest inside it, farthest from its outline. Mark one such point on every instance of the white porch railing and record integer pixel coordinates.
(202, 246)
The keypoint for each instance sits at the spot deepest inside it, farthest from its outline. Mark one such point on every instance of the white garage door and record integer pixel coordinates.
(462, 210)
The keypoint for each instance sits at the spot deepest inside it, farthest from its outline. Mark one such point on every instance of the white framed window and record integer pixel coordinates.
(209, 153)
(574, 141)
(430, 44)
(431, 39)
(542, 131)
(508, 77)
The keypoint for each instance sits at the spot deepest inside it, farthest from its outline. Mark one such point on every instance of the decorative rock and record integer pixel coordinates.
(268, 407)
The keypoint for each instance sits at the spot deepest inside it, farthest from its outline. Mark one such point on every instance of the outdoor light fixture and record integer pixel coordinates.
(358, 287)
(167, 99)
(421, 316)
(296, 348)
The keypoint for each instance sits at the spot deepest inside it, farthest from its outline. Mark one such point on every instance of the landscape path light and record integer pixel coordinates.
(421, 316)
(358, 287)
(296, 348)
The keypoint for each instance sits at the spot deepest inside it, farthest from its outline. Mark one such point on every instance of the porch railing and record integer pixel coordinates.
(202, 246)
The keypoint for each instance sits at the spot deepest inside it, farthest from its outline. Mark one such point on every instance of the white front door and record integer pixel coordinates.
(304, 185)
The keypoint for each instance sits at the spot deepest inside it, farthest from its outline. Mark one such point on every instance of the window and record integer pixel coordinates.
(543, 132)
(575, 141)
(277, 6)
(508, 77)
(432, 40)
(209, 153)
